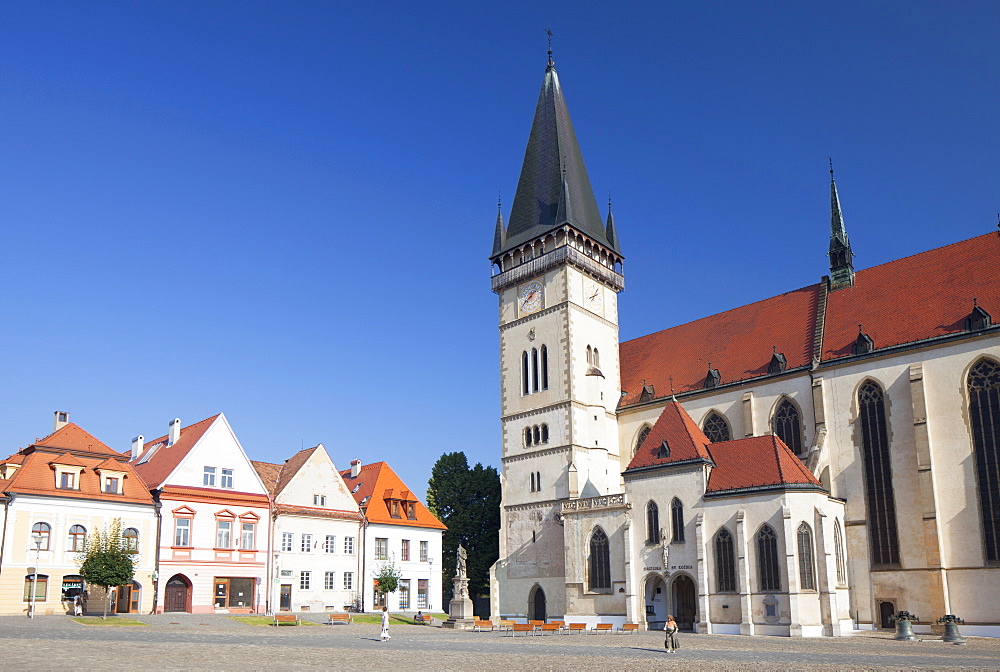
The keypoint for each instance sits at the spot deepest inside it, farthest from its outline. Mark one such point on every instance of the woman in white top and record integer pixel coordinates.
(385, 623)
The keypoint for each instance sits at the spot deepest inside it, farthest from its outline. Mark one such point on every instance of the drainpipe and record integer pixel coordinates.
(156, 561)
(272, 572)
(6, 517)
(363, 528)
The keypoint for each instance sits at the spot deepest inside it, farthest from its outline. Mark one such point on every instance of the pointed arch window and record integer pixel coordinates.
(838, 549)
(882, 534)
(677, 520)
(725, 562)
(652, 523)
(768, 571)
(599, 561)
(534, 369)
(807, 573)
(545, 433)
(716, 428)
(786, 425)
(525, 374)
(643, 433)
(545, 368)
(590, 356)
(536, 434)
(984, 415)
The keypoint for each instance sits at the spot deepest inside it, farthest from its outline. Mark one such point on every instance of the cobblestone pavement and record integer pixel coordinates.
(197, 642)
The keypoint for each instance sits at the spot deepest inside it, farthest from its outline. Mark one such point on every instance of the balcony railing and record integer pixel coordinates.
(556, 257)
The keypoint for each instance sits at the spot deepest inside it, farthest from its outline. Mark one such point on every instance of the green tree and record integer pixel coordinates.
(107, 560)
(388, 576)
(468, 502)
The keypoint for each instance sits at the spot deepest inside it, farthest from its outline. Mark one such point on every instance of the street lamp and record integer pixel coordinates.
(37, 538)
(430, 582)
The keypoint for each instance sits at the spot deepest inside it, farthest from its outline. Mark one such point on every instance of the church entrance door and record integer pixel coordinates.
(656, 603)
(537, 606)
(685, 608)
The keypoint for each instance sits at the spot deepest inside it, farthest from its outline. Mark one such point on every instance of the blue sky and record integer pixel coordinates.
(283, 211)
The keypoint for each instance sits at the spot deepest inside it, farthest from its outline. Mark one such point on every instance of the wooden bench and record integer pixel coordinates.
(420, 619)
(576, 627)
(536, 624)
(629, 627)
(505, 625)
(602, 627)
(286, 619)
(549, 627)
(561, 624)
(339, 619)
(522, 627)
(483, 626)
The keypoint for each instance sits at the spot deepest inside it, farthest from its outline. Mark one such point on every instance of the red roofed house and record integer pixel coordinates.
(59, 491)
(315, 534)
(884, 382)
(215, 519)
(399, 529)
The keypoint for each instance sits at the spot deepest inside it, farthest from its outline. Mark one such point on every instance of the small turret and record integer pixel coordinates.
(841, 255)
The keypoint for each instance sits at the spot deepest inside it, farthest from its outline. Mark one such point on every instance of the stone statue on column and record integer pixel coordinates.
(460, 608)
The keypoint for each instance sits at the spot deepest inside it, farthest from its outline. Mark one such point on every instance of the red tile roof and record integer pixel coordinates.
(374, 481)
(756, 462)
(72, 437)
(685, 440)
(166, 459)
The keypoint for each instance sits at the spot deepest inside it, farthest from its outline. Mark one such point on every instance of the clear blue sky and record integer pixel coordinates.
(283, 210)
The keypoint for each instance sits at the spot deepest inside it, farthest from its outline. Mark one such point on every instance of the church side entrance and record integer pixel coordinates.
(685, 607)
(536, 604)
(656, 603)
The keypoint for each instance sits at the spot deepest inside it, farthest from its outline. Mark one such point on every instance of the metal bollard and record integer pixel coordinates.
(951, 633)
(904, 626)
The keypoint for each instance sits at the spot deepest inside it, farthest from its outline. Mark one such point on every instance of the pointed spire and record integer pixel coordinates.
(500, 234)
(841, 255)
(609, 229)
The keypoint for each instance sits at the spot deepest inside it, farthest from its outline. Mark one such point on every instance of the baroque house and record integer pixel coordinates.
(803, 465)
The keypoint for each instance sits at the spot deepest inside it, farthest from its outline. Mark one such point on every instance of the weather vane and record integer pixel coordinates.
(548, 31)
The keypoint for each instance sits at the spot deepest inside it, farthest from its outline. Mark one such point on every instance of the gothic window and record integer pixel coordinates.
(807, 575)
(787, 426)
(545, 368)
(538, 480)
(534, 369)
(545, 433)
(527, 436)
(984, 412)
(716, 428)
(767, 559)
(725, 562)
(882, 535)
(531, 481)
(590, 356)
(597, 358)
(600, 561)
(838, 549)
(652, 523)
(524, 373)
(677, 520)
(536, 434)
(643, 433)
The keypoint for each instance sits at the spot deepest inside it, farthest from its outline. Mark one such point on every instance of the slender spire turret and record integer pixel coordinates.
(500, 234)
(609, 228)
(841, 255)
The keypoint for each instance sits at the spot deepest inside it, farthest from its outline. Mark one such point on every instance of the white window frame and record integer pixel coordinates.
(307, 543)
(182, 525)
(330, 544)
(424, 551)
(305, 579)
(223, 533)
(248, 536)
(349, 545)
(208, 477)
(287, 541)
(348, 580)
(329, 581)
(226, 479)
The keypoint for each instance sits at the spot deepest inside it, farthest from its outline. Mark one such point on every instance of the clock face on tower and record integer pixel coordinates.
(593, 296)
(529, 297)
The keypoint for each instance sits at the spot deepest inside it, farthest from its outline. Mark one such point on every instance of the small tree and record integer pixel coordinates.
(106, 560)
(387, 577)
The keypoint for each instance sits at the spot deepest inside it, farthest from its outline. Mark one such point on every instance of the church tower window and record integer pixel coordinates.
(545, 433)
(882, 534)
(534, 369)
(807, 575)
(716, 428)
(600, 561)
(643, 433)
(984, 414)
(787, 427)
(545, 368)
(677, 518)
(725, 562)
(767, 559)
(652, 523)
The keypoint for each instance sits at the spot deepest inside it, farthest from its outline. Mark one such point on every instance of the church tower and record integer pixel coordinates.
(841, 256)
(557, 270)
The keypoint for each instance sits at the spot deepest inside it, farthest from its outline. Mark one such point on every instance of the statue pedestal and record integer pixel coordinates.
(460, 608)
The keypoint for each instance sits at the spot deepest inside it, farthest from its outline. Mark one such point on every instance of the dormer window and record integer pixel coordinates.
(394, 509)
(67, 480)
(111, 485)
(712, 379)
(864, 343)
(67, 475)
(664, 450)
(647, 392)
(778, 363)
(411, 511)
(978, 319)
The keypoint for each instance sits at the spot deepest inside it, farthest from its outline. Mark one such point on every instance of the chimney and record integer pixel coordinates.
(137, 444)
(355, 467)
(175, 432)
(62, 419)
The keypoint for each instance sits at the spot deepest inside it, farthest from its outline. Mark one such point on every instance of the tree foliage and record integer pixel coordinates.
(468, 502)
(388, 576)
(107, 560)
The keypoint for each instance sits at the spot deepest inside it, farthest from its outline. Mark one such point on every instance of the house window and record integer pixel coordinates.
(43, 531)
(653, 524)
(348, 580)
(319, 500)
(330, 545)
(404, 551)
(223, 533)
(227, 478)
(807, 575)
(378, 597)
(381, 548)
(787, 427)
(882, 534)
(328, 581)
(838, 549)
(39, 584)
(130, 537)
(307, 543)
(677, 520)
(77, 538)
(394, 511)
(600, 561)
(67, 480)
(422, 593)
(725, 562)
(423, 551)
(182, 531)
(767, 559)
(287, 539)
(404, 593)
(248, 541)
(208, 477)
(716, 428)
(411, 511)
(643, 433)
(349, 545)
(984, 416)
(111, 485)
(304, 579)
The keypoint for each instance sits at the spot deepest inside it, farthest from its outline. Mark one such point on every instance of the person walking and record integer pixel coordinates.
(385, 623)
(670, 642)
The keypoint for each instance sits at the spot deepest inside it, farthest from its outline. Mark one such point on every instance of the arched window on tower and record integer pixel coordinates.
(600, 561)
(838, 549)
(807, 575)
(677, 520)
(767, 559)
(787, 427)
(545, 368)
(716, 428)
(643, 433)
(725, 562)
(534, 369)
(590, 356)
(536, 434)
(545, 433)
(597, 359)
(527, 436)
(652, 523)
(883, 538)
(984, 416)
(531, 482)
(525, 374)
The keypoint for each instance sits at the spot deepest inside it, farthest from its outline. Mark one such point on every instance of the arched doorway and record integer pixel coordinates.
(685, 608)
(656, 603)
(177, 595)
(886, 610)
(536, 604)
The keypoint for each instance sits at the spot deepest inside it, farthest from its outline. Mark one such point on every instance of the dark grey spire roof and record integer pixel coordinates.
(499, 235)
(554, 188)
(838, 232)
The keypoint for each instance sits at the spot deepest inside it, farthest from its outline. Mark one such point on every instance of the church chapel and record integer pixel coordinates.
(805, 465)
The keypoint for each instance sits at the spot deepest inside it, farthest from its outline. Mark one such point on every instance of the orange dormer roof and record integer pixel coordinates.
(379, 477)
(67, 460)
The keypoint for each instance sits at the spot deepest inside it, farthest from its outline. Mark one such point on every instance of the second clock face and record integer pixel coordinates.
(593, 296)
(530, 296)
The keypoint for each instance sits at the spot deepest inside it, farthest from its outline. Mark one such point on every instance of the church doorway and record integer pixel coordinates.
(685, 610)
(177, 594)
(886, 610)
(656, 603)
(536, 604)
